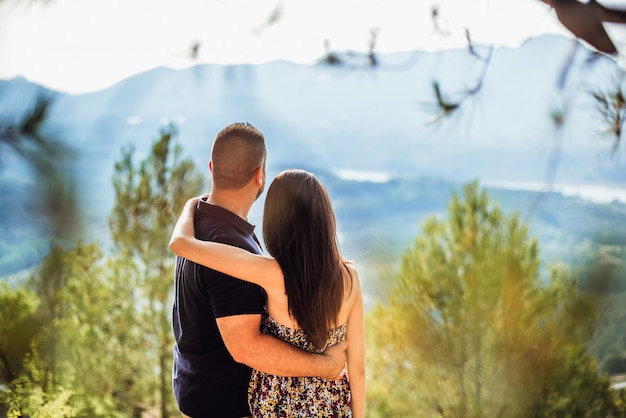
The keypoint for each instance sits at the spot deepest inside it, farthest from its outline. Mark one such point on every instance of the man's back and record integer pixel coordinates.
(207, 381)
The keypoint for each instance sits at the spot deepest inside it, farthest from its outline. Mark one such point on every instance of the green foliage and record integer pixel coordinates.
(148, 199)
(604, 278)
(32, 395)
(99, 346)
(150, 195)
(89, 335)
(19, 322)
(471, 330)
(77, 362)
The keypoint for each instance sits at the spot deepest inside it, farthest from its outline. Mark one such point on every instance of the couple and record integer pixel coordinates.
(258, 335)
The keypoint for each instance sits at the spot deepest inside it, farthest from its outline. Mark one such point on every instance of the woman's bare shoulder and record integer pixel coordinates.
(352, 289)
(352, 283)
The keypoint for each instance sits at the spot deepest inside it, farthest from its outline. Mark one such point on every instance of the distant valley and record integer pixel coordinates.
(368, 134)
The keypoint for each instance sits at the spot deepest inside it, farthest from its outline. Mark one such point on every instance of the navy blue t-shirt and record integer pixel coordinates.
(207, 381)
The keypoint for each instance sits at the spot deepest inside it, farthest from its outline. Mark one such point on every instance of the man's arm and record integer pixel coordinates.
(248, 345)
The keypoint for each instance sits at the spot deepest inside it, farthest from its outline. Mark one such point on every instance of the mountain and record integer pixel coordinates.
(364, 129)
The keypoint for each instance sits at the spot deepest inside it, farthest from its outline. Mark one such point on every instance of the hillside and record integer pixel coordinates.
(334, 120)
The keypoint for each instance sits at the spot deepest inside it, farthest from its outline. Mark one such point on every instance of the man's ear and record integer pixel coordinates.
(259, 176)
(211, 166)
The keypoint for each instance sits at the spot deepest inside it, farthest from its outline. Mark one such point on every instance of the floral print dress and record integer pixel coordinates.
(277, 396)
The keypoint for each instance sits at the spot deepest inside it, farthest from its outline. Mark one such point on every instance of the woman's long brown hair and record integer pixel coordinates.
(300, 233)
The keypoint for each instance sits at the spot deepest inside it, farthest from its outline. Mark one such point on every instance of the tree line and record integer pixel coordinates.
(470, 328)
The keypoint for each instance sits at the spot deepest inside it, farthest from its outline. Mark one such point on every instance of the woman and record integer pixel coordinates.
(313, 295)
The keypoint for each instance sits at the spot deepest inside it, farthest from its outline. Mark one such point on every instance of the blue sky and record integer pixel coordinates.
(78, 46)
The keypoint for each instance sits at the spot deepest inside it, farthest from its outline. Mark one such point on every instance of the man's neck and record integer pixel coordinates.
(236, 202)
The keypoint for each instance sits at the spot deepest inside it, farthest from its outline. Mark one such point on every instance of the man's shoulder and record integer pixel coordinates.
(208, 228)
(213, 223)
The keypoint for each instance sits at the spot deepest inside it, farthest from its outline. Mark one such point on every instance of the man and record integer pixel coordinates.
(216, 318)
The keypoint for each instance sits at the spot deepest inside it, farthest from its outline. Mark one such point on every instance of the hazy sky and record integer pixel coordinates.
(78, 45)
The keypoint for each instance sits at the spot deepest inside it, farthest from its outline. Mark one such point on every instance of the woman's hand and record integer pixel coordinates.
(184, 226)
(193, 202)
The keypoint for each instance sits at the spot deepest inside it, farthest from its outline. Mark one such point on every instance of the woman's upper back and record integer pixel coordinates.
(278, 308)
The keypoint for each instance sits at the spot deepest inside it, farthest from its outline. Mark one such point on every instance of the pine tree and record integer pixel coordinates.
(148, 200)
(473, 330)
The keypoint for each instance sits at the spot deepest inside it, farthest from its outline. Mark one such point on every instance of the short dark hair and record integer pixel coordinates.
(238, 150)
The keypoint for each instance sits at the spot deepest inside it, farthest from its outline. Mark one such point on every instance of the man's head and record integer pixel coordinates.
(237, 155)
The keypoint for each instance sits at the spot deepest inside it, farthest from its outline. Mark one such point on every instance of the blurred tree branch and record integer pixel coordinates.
(274, 17)
(25, 138)
(584, 20)
(49, 159)
(611, 106)
(351, 59)
(446, 107)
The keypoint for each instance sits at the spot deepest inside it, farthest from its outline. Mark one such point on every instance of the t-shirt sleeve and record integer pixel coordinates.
(231, 296)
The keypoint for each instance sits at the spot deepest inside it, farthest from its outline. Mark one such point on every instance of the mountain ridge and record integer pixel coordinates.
(347, 119)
